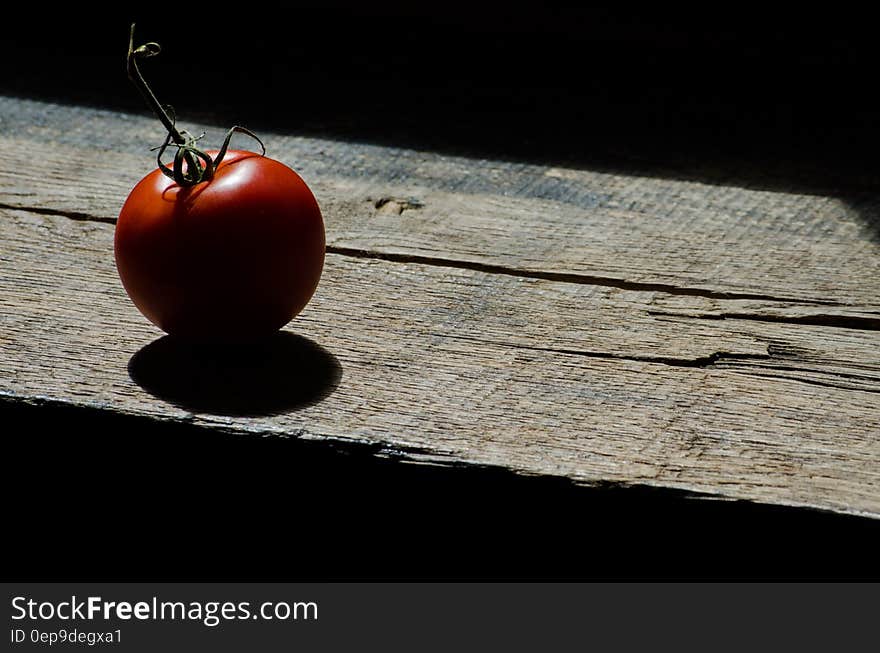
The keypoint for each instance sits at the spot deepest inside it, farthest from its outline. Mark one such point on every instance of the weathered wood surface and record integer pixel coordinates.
(591, 325)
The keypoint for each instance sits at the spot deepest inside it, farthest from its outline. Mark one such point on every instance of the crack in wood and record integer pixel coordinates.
(698, 362)
(818, 319)
(72, 215)
(716, 360)
(566, 277)
(810, 381)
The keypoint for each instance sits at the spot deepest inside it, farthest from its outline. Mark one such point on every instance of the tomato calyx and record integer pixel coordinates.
(193, 174)
(199, 165)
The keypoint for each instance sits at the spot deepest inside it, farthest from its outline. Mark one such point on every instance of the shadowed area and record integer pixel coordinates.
(185, 502)
(780, 101)
(279, 374)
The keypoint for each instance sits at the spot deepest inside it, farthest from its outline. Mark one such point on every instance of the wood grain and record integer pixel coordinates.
(593, 325)
(632, 232)
(462, 366)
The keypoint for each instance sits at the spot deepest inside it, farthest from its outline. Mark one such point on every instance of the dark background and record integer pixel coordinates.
(747, 96)
(759, 94)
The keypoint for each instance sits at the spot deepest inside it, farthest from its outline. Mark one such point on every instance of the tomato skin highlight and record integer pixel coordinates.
(232, 258)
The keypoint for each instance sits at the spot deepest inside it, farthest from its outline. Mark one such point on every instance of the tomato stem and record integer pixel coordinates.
(134, 74)
(186, 143)
(187, 151)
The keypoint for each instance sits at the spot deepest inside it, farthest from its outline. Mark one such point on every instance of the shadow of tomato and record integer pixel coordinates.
(282, 373)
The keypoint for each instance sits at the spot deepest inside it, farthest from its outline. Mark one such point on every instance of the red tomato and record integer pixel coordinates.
(235, 257)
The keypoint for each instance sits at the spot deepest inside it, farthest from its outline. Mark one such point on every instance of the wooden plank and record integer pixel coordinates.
(791, 254)
(456, 365)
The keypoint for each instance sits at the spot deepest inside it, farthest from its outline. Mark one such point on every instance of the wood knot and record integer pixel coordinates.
(396, 206)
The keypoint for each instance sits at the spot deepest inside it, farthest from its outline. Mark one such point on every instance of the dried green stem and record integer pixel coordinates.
(134, 74)
(187, 152)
